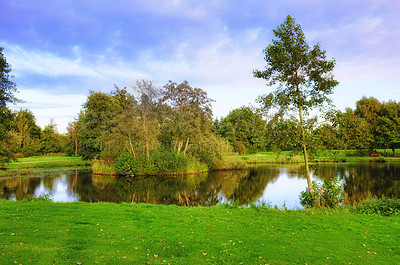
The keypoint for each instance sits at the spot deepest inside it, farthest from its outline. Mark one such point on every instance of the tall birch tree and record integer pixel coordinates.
(301, 75)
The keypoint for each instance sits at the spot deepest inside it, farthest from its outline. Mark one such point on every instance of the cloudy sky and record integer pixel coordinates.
(59, 50)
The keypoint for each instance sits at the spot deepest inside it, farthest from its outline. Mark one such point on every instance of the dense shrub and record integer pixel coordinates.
(102, 168)
(383, 206)
(330, 194)
(216, 153)
(170, 162)
(158, 163)
(240, 148)
(124, 164)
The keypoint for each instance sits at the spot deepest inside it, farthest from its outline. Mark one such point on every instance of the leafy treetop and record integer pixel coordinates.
(303, 75)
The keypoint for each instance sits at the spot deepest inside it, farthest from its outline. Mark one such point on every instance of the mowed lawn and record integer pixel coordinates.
(47, 161)
(36, 232)
(322, 156)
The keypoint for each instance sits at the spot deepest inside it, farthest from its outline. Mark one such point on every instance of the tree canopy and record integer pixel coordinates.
(7, 87)
(7, 91)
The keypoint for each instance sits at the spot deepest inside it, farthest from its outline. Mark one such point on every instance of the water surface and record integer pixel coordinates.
(278, 185)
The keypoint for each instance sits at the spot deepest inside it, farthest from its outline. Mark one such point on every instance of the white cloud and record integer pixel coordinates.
(43, 63)
(33, 62)
(222, 65)
(47, 106)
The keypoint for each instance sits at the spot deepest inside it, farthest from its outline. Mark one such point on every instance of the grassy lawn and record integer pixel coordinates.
(47, 161)
(323, 156)
(106, 233)
(33, 164)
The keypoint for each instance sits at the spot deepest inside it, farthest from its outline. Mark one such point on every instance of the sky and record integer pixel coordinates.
(60, 50)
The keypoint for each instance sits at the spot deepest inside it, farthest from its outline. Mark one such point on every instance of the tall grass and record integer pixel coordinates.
(101, 168)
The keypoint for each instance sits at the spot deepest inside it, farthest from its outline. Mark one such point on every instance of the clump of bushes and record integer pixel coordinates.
(102, 168)
(330, 195)
(383, 206)
(41, 198)
(217, 154)
(157, 163)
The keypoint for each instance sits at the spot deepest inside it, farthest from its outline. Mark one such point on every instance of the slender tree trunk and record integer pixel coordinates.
(186, 146)
(147, 150)
(130, 145)
(180, 144)
(303, 136)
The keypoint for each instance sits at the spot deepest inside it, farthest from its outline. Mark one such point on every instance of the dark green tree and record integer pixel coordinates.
(283, 134)
(26, 132)
(7, 91)
(325, 137)
(244, 128)
(353, 132)
(96, 120)
(303, 75)
(370, 109)
(388, 126)
(50, 139)
(7, 87)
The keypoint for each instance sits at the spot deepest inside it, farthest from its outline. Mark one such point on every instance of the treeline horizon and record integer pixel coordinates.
(371, 125)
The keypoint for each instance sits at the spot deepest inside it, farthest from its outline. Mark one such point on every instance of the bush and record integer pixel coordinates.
(41, 198)
(330, 194)
(158, 163)
(216, 153)
(240, 147)
(102, 168)
(383, 206)
(169, 162)
(125, 164)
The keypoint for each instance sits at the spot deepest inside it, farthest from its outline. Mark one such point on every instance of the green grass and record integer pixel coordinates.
(28, 165)
(323, 156)
(36, 171)
(47, 161)
(106, 233)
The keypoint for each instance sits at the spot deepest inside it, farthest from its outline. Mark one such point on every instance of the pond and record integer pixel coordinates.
(278, 185)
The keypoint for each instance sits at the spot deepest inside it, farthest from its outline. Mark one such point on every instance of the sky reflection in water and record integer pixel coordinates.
(278, 185)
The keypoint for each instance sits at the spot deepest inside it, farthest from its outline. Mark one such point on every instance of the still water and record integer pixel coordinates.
(278, 185)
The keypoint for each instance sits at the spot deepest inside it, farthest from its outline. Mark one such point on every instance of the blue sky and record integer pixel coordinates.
(59, 50)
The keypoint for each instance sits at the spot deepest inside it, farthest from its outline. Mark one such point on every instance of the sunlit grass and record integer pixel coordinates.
(47, 161)
(107, 233)
(321, 156)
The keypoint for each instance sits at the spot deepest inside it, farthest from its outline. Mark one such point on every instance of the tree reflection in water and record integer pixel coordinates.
(245, 186)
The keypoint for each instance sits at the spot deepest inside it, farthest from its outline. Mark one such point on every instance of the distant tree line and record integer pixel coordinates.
(28, 139)
(371, 125)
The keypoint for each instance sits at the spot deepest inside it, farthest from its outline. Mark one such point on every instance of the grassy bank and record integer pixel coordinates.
(168, 163)
(28, 165)
(323, 156)
(47, 161)
(106, 233)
